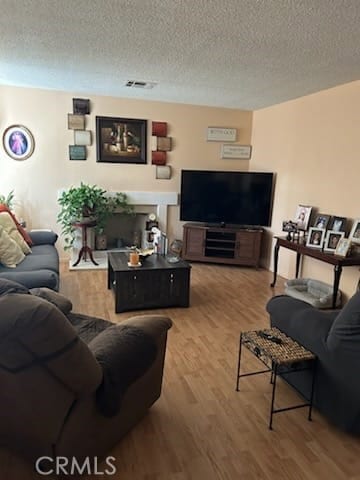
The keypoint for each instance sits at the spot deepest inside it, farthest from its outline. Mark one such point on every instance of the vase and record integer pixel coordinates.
(101, 242)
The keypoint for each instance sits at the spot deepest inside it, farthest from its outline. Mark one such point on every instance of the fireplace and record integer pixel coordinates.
(123, 230)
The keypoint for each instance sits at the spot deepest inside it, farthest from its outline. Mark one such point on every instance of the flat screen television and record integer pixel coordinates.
(226, 197)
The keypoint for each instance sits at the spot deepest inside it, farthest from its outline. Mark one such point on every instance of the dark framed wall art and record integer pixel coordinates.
(81, 106)
(121, 140)
(77, 152)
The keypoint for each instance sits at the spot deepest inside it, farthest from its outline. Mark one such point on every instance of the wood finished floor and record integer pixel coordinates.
(201, 428)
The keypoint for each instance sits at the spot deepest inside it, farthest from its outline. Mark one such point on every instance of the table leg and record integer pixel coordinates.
(82, 253)
(79, 257)
(298, 258)
(337, 275)
(312, 389)
(238, 368)
(272, 372)
(110, 275)
(273, 395)
(276, 259)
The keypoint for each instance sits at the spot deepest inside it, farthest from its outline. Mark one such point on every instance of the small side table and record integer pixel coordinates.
(85, 249)
(277, 356)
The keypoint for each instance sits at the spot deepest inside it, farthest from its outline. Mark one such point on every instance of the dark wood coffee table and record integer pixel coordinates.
(156, 284)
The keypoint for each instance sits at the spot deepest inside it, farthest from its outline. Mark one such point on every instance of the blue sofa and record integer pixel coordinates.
(39, 268)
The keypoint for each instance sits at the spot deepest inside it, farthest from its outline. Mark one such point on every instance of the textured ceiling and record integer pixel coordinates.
(244, 54)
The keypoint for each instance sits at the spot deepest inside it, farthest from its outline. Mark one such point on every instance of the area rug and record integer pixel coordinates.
(88, 265)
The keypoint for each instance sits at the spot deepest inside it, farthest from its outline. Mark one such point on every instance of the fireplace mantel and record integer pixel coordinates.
(159, 200)
(144, 202)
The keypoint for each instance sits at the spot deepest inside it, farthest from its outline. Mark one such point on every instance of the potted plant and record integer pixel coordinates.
(7, 200)
(88, 202)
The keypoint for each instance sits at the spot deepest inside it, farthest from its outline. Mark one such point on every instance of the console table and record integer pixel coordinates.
(301, 249)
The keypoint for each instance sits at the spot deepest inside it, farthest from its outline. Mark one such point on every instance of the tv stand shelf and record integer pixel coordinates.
(232, 245)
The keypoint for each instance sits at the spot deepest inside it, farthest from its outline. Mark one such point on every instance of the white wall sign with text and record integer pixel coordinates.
(219, 134)
(236, 151)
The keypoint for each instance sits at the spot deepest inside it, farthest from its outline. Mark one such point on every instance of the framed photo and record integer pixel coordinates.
(81, 106)
(355, 232)
(76, 122)
(316, 237)
(18, 142)
(161, 144)
(332, 239)
(343, 247)
(77, 152)
(121, 140)
(163, 172)
(321, 221)
(82, 137)
(302, 216)
(338, 224)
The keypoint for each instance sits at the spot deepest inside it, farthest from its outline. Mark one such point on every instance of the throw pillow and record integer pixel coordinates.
(23, 232)
(10, 252)
(10, 228)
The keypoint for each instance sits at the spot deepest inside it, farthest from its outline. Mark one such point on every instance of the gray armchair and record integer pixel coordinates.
(60, 372)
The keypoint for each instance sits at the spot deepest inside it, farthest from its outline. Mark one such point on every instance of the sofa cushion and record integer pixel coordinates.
(31, 279)
(43, 237)
(60, 301)
(10, 228)
(10, 252)
(9, 286)
(23, 232)
(345, 331)
(43, 257)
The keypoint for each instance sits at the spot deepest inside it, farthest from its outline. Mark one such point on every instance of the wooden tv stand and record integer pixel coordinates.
(231, 245)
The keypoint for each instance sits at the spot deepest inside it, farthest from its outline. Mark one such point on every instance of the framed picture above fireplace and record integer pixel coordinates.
(121, 140)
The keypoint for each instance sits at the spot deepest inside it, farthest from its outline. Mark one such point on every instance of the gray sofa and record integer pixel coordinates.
(335, 339)
(39, 268)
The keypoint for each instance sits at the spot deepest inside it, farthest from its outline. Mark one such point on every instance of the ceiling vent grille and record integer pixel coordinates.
(139, 84)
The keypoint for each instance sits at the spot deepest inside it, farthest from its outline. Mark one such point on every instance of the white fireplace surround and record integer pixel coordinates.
(159, 201)
(143, 202)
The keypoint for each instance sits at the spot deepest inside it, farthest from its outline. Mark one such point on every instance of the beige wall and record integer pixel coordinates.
(37, 180)
(312, 144)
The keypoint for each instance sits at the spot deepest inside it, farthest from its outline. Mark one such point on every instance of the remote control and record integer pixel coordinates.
(270, 337)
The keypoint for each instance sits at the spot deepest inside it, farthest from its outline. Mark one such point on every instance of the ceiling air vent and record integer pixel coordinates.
(139, 84)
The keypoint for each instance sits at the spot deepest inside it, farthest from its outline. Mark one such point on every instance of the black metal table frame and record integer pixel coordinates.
(274, 374)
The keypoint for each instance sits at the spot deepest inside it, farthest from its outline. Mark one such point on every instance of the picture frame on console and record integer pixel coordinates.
(332, 239)
(337, 224)
(321, 221)
(121, 140)
(302, 216)
(355, 232)
(343, 247)
(316, 237)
